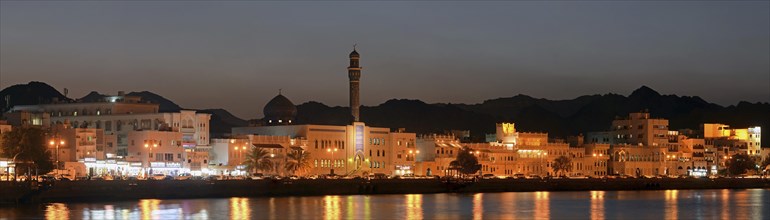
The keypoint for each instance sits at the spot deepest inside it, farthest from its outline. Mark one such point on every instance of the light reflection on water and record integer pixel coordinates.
(597, 205)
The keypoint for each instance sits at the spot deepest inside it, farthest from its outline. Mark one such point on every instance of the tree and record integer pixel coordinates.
(27, 144)
(561, 164)
(467, 163)
(258, 159)
(739, 164)
(298, 160)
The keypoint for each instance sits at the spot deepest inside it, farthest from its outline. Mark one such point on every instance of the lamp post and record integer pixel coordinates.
(56, 142)
(149, 145)
(331, 171)
(541, 156)
(414, 159)
(238, 151)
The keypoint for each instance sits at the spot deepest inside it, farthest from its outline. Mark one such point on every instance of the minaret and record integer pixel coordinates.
(354, 74)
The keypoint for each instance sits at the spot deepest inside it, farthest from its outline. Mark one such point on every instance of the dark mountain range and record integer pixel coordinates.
(559, 118)
(29, 94)
(165, 105)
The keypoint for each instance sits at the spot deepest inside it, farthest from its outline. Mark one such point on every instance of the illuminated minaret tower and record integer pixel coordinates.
(354, 74)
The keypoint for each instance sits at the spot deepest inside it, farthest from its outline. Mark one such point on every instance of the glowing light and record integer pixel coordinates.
(57, 211)
(239, 208)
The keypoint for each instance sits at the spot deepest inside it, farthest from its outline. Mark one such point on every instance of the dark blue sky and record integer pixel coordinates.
(236, 55)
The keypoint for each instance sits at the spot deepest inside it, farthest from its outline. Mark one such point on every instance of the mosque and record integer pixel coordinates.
(353, 149)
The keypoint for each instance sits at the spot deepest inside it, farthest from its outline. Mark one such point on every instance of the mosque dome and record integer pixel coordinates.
(354, 54)
(280, 110)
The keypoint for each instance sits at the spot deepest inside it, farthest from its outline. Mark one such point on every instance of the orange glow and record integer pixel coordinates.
(52, 143)
(57, 211)
(597, 205)
(478, 207)
(672, 209)
(414, 206)
(542, 206)
(239, 208)
(148, 206)
(726, 204)
(332, 207)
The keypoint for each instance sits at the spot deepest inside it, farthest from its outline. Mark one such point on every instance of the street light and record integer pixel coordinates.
(414, 158)
(150, 144)
(331, 171)
(56, 142)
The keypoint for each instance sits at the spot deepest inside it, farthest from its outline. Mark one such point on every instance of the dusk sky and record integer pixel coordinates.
(236, 55)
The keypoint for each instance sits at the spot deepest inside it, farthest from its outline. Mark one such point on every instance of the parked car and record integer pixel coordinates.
(519, 176)
(215, 177)
(533, 176)
(158, 176)
(64, 177)
(183, 176)
(488, 176)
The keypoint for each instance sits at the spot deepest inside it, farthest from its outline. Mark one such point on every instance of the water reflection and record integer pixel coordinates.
(598, 205)
(478, 207)
(57, 211)
(671, 200)
(542, 206)
(332, 207)
(147, 207)
(239, 208)
(414, 206)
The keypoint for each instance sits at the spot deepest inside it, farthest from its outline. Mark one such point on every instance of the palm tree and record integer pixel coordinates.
(298, 161)
(258, 159)
(561, 164)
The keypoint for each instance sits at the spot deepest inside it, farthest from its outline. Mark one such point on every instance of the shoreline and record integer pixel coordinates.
(120, 190)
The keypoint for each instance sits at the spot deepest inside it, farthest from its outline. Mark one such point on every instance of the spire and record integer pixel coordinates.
(354, 75)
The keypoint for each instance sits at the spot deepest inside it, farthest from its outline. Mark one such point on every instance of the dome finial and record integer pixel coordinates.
(354, 46)
(279, 91)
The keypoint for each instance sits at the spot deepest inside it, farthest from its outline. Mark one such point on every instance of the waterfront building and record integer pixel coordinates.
(118, 123)
(157, 151)
(640, 129)
(747, 140)
(350, 149)
(119, 115)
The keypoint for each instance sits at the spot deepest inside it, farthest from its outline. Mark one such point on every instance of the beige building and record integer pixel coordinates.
(748, 140)
(117, 116)
(640, 129)
(157, 151)
(352, 149)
